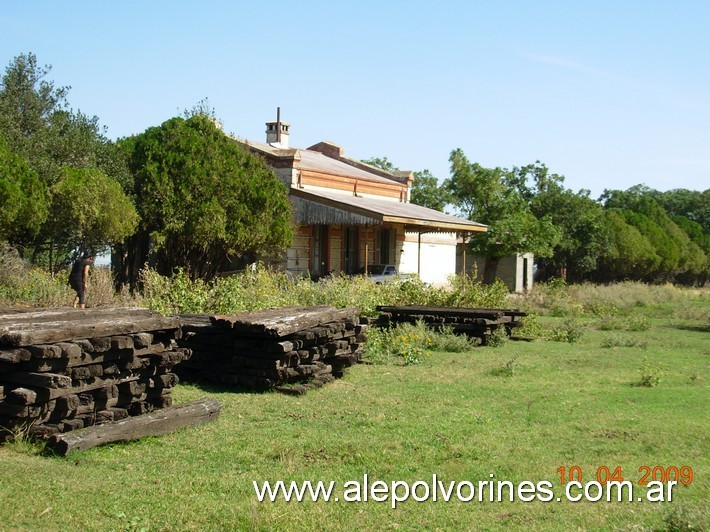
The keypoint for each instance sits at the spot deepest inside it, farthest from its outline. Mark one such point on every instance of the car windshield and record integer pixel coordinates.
(376, 269)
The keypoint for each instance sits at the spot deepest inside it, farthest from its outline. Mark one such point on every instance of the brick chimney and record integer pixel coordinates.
(277, 132)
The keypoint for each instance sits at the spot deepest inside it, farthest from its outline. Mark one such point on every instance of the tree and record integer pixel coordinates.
(203, 198)
(490, 196)
(629, 255)
(678, 254)
(691, 204)
(23, 198)
(90, 211)
(382, 163)
(39, 126)
(427, 192)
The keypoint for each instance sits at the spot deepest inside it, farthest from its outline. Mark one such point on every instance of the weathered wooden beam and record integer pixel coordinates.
(17, 334)
(449, 311)
(67, 314)
(278, 322)
(154, 424)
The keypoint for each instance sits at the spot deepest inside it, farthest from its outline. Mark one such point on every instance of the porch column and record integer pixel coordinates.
(419, 254)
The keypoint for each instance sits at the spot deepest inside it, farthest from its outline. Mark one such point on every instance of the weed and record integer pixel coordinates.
(532, 328)
(609, 323)
(618, 341)
(651, 374)
(411, 344)
(19, 440)
(570, 331)
(507, 370)
(683, 518)
(444, 339)
(264, 287)
(497, 338)
(637, 322)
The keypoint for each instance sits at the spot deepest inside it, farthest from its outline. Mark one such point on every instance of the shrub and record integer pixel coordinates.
(263, 287)
(444, 339)
(405, 343)
(497, 338)
(409, 344)
(507, 370)
(617, 341)
(532, 328)
(651, 374)
(570, 331)
(638, 322)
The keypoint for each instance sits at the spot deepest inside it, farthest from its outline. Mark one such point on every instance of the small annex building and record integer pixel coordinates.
(349, 214)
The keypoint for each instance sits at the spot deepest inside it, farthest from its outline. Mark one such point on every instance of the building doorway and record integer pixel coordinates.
(350, 247)
(319, 250)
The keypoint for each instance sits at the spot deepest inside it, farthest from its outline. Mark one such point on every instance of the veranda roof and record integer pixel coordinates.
(319, 206)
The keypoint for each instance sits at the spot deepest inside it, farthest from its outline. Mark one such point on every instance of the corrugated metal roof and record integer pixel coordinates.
(413, 216)
(317, 162)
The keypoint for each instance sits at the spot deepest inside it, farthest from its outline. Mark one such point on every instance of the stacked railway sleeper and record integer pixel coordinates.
(478, 323)
(66, 369)
(290, 349)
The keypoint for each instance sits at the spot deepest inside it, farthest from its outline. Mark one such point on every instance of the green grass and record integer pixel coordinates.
(454, 414)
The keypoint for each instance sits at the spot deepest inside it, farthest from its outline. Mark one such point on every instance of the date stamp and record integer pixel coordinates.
(604, 474)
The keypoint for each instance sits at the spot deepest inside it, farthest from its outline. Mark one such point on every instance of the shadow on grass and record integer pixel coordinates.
(694, 328)
(212, 387)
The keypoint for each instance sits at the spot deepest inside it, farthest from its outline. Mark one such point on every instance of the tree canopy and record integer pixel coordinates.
(489, 196)
(638, 234)
(43, 132)
(90, 210)
(203, 198)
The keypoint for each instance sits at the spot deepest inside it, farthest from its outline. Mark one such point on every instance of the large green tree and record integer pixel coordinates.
(203, 198)
(579, 219)
(629, 255)
(426, 189)
(490, 196)
(23, 198)
(90, 210)
(39, 126)
(679, 256)
(428, 192)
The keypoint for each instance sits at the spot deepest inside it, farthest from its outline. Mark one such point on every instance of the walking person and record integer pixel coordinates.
(79, 277)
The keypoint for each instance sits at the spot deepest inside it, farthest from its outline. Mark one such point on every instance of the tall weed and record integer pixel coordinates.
(263, 288)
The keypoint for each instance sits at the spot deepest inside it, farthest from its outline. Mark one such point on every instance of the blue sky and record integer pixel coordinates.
(609, 94)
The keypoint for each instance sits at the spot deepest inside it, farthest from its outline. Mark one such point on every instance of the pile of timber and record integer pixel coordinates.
(64, 369)
(290, 349)
(477, 323)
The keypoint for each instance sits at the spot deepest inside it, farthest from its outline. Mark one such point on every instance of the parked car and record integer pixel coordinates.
(382, 273)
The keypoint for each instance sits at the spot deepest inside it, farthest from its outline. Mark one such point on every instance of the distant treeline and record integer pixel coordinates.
(637, 234)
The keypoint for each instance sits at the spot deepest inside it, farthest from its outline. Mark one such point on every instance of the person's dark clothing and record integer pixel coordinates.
(76, 278)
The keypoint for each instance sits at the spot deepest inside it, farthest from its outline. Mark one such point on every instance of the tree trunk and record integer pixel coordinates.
(51, 258)
(490, 269)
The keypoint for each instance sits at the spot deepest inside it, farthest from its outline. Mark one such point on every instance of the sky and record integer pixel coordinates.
(608, 94)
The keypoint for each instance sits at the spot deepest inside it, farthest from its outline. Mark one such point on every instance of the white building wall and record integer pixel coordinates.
(438, 257)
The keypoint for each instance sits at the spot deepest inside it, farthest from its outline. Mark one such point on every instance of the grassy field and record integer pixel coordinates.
(519, 411)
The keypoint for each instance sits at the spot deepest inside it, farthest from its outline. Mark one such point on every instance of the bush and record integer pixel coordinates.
(651, 374)
(263, 287)
(497, 338)
(36, 288)
(507, 370)
(570, 331)
(532, 328)
(617, 341)
(409, 344)
(555, 298)
(405, 343)
(445, 339)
